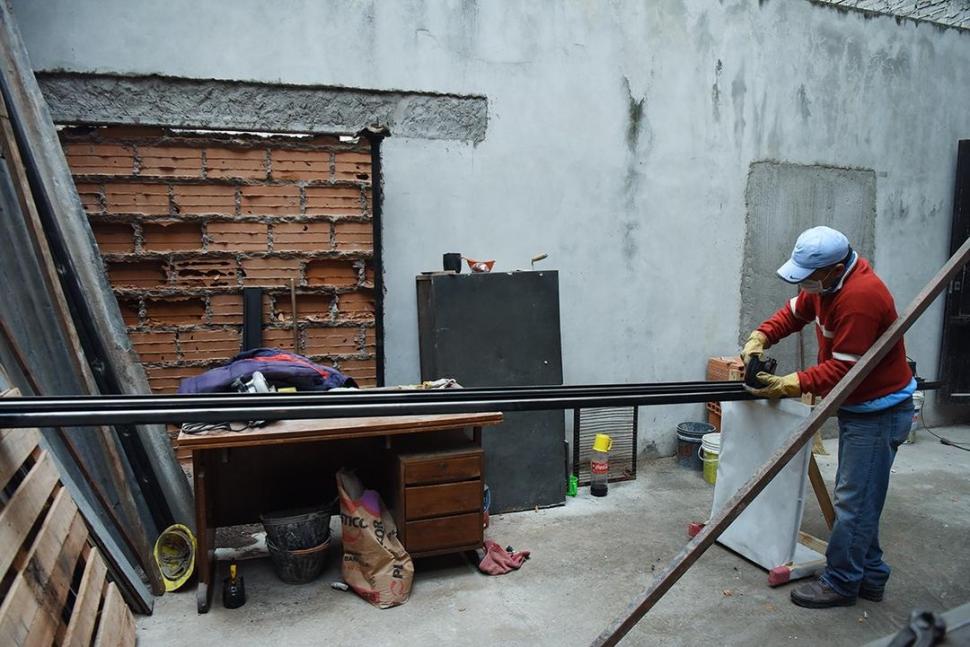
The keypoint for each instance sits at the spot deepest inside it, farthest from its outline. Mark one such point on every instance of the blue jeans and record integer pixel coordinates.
(867, 447)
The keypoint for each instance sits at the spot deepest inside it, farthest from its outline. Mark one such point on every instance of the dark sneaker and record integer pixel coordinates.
(871, 593)
(817, 595)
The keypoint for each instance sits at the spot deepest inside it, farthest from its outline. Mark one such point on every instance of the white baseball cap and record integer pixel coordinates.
(815, 248)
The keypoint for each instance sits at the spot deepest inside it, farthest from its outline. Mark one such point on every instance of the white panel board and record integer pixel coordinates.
(767, 531)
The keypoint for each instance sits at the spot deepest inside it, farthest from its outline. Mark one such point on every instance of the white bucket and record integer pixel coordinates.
(711, 447)
(711, 443)
(918, 408)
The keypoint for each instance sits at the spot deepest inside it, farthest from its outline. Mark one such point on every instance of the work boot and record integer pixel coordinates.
(872, 594)
(818, 595)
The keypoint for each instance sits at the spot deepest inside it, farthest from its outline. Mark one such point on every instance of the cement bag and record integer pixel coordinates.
(375, 564)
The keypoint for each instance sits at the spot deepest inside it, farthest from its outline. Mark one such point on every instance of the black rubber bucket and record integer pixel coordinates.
(299, 566)
(689, 436)
(298, 529)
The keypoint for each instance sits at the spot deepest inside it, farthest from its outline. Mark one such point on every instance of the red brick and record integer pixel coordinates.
(370, 341)
(332, 341)
(175, 311)
(368, 276)
(300, 165)
(170, 161)
(237, 235)
(140, 274)
(332, 273)
(209, 344)
(352, 166)
(166, 380)
(335, 201)
(90, 195)
(270, 271)
(309, 307)
(310, 236)
(356, 305)
(226, 308)
(129, 311)
(203, 272)
(205, 199)
(362, 370)
(354, 236)
(154, 347)
(99, 159)
(171, 236)
(278, 338)
(271, 200)
(114, 237)
(229, 162)
(149, 199)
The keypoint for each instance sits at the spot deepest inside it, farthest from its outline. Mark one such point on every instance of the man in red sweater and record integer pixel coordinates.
(850, 307)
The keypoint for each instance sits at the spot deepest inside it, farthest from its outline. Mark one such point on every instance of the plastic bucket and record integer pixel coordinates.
(711, 451)
(689, 436)
(299, 566)
(917, 409)
(299, 528)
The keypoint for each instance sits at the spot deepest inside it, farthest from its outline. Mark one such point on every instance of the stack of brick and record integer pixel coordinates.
(184, 221)
(722, 369)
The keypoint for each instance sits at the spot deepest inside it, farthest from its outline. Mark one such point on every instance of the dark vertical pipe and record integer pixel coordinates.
(252, 336)
(375, 134)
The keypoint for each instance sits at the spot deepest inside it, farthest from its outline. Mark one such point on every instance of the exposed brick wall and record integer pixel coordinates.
(185, 221)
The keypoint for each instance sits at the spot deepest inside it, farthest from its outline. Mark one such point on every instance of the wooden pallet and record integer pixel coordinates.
(54, 588)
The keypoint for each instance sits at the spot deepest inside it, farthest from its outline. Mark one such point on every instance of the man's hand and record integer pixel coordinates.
(777, 386)
(757, 341)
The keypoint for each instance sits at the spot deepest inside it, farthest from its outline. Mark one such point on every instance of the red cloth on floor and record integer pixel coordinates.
(498, 561)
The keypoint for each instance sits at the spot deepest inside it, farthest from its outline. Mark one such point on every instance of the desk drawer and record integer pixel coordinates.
(444, 532)
(423, 501)
(445, 469)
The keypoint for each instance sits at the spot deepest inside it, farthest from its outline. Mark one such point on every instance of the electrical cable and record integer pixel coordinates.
(943, 441)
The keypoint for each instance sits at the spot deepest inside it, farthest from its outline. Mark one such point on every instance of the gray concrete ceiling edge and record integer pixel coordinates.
(102, 99)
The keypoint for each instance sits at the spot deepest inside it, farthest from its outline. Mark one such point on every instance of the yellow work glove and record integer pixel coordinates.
(756, 344)
(778, 386)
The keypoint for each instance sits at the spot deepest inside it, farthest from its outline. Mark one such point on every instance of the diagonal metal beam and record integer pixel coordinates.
(736, 505)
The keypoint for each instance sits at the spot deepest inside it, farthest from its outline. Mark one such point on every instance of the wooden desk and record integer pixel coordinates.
(290, 463)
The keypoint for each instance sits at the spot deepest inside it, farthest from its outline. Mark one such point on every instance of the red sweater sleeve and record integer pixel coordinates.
(789, 319)
(855, 332)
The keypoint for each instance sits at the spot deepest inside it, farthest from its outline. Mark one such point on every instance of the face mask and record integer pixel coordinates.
(811, 287)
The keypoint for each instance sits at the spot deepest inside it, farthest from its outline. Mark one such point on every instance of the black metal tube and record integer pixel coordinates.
(21, 419)
(347, 397)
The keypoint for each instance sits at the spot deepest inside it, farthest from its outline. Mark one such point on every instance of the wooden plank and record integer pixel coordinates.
(81, 625)
(289, 431)
(821, 492)
(117, 628)
(17, 612)
(15, 446)
(24, 506)
(829, 406)
(40, 577)
(49, 574)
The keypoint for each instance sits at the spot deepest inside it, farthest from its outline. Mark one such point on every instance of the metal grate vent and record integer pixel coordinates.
(621, 425)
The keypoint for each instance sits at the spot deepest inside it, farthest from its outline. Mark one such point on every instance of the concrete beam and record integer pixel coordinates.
(101, 99)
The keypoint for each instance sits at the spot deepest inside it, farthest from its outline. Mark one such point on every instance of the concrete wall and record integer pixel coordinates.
(619, 140)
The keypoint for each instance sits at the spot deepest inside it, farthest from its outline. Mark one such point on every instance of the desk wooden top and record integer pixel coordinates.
(302, 431)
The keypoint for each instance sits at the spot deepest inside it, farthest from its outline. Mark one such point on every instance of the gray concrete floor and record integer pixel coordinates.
(592, 556)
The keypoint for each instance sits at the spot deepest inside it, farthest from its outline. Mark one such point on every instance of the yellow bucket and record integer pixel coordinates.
(602, 443)
(709, 452)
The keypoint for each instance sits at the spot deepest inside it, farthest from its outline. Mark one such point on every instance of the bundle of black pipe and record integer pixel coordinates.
(54, 411)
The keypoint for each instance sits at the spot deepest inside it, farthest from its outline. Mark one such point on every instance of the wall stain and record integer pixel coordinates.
(634, 117)
(738, 90)
(716, 91)
(804, 104)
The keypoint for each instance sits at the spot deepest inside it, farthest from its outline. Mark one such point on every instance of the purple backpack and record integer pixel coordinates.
(279, 367)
